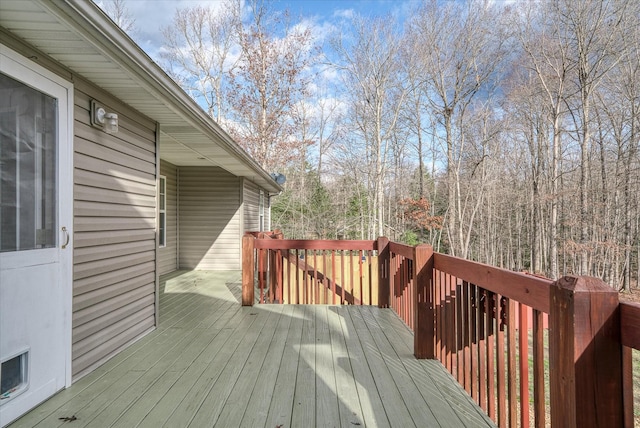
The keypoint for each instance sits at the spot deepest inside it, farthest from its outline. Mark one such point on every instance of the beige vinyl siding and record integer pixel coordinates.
(251, 205)
(209, 219)
(168, 255)
(114, 231)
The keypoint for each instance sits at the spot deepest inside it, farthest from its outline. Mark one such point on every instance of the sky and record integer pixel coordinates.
(152, 15)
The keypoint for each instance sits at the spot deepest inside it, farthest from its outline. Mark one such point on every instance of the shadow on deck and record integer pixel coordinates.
(212, 362)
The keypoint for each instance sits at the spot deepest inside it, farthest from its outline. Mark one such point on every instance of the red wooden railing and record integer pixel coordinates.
(310, 272)
(488, 326)
(483, 336)
(630, 338)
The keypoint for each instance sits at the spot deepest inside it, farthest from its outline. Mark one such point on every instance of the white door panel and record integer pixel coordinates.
(35, 205)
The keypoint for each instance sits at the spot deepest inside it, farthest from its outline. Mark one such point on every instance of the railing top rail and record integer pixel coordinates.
(530, 290)
(313, 244)
(401, 249)
(256, 234)
(629, 322)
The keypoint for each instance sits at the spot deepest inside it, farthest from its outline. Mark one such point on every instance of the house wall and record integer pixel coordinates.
(209, 223)
(168, 255)
(114, 270)
(114, 232)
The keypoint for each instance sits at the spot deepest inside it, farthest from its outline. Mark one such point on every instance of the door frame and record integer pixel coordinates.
(32, 74)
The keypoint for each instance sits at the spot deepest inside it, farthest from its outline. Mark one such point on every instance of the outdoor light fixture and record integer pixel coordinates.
(102, 119)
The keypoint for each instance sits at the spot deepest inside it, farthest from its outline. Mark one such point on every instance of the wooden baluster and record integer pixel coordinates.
(490, 316)
(449, 327)
(474, 342)
(325, 278)
(343, 278)
(307, 297)
(438, 313)
(360, 256)
(539, 409)
(261, 273)
(466, 334)
(411, 292)
(316, 283)
(523, 345)
(299, 278)
(370, 268)
(482, 350)
(501, 316)
(351, 274)
(460, 329)
(511, 364)
(334, 275)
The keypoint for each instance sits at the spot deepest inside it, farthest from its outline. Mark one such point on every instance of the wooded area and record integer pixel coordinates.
(503, 133)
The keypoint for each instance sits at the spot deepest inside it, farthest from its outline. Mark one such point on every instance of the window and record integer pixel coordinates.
(28, 140)
(261, 211)
(162, 238)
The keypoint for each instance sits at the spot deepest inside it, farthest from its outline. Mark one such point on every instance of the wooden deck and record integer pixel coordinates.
(213, 362)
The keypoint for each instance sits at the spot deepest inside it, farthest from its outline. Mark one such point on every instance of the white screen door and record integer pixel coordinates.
(35, 201)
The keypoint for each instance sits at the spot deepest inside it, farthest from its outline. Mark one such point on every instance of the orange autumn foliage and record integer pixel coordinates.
(416, 213)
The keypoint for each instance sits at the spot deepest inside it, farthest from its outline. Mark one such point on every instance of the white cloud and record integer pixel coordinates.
(344, 13)
(151, 16)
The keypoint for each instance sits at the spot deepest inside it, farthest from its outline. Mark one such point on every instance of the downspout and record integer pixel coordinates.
(156, 249)
(177, 218)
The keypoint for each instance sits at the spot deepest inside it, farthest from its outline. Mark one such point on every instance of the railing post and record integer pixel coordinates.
(248, 270)
(423, 345)
(276, 271)
(585, 354)
(383, 272)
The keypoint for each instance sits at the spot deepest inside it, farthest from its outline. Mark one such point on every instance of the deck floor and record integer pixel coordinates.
(213, 362)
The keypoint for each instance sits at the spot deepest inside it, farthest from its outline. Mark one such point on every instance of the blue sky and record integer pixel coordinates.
(152, 15)
(327, 9)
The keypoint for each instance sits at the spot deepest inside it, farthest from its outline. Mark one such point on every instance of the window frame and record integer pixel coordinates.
(261, 211)
(162, 211)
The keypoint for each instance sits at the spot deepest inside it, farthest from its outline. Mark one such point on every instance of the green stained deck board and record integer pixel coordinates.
(100, 394)
(410, 394)
(118, 398)
(164, 406)
(304, 403)
(327, 404)
(212, 360)
(398, 336)
(264, 390)
(249, 352)
(172, 385)
(281, 401)
(96, 385)
(191, 403)
(371, 404)
(350, 412)
(392, 399)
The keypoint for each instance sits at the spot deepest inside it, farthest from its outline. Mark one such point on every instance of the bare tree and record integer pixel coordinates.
(199, 52)
(591, 33)
(120, 14)
(541, 37)
(270, 79)
(369, 64)
(462, 51)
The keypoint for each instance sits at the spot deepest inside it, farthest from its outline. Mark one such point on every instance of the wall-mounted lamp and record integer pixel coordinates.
(102, 119)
